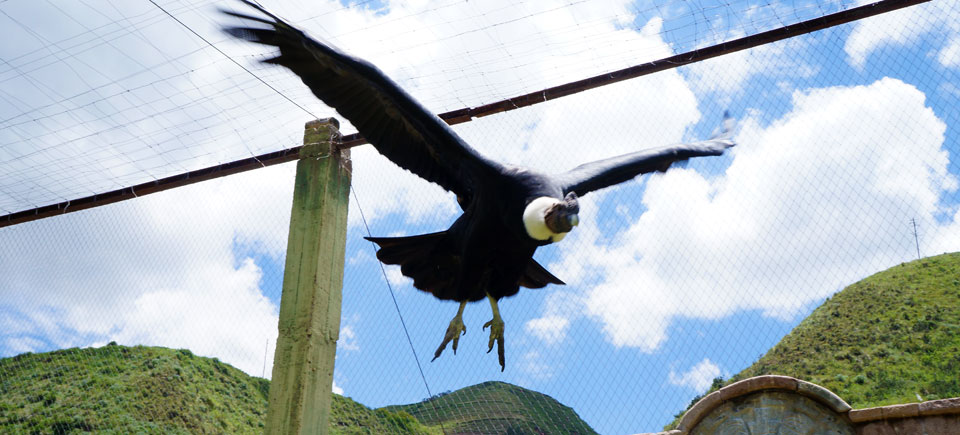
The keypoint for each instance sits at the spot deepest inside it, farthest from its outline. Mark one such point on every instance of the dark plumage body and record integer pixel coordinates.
(508, 211)
(485, 251)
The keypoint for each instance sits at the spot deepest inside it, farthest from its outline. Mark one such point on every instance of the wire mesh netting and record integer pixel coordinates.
(847, 137)
(107, 96)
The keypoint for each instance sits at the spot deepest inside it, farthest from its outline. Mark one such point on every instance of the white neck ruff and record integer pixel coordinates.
(534, 222)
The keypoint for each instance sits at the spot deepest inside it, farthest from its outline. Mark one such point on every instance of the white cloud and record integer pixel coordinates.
(728, 74)
(950, 55)
(158, 270)
(812, 202)
(698, 378)
(336, 389)
(551, 329)
(939, 238)
(395, 277)
(415, 199)
(535, 365)
(905, 27)
(18, 345)
(224, 314)
(348, 339)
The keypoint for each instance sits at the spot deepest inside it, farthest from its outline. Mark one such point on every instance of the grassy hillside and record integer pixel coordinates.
(153, 390)
(497, 407)
(157, 390)
(893, 337)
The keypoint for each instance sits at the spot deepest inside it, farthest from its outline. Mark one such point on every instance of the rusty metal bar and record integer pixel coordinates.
(147, 188)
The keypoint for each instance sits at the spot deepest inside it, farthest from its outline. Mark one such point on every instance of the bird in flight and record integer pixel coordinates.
(508, 211)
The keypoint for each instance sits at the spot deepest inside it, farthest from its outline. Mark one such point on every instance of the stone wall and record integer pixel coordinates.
(784, 405)
(933, 417)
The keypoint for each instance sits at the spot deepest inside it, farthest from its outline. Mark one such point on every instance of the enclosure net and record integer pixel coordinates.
(100, 97)
(847, 137)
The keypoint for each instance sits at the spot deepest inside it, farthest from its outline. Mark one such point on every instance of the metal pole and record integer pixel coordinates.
(915, 237)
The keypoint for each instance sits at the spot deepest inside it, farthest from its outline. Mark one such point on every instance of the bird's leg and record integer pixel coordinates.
(496, 330)
(454, 331)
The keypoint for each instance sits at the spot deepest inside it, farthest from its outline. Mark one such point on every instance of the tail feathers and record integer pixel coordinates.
(434, 269)
(536, 276)
(400, 250)
(423, 259)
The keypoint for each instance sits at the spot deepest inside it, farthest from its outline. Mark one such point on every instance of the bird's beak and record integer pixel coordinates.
(573, 220)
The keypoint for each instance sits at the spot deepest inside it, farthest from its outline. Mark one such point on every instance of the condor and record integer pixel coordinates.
(508, 211)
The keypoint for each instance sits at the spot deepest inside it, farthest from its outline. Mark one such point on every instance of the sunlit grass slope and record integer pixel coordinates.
(119, 389)
(499, 408)
(140, 389)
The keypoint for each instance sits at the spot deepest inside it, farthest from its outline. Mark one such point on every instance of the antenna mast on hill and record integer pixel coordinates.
(915, 238)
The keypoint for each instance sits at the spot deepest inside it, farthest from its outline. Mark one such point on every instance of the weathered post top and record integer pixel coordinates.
(319, 136)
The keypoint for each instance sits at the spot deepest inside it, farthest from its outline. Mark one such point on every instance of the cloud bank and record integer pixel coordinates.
(161, 270)
(814, 201)
(901, 28)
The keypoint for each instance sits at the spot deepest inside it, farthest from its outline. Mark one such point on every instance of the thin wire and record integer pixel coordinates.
(395, 304)
(234, 61)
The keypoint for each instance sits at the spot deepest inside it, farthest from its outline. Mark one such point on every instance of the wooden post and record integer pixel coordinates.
(300, 392)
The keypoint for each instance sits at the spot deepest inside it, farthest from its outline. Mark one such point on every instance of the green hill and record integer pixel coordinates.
(141, 389)
(497, 407)
(893, 337)
(154, 390)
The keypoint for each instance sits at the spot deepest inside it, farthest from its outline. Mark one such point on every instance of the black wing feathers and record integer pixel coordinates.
(536, 276)
(608, 172)
(390, 119)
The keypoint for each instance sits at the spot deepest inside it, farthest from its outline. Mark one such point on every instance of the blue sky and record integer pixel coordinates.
(844, 136)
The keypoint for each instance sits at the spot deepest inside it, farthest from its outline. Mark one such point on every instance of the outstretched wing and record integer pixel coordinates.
(608, 172)
(397, 125)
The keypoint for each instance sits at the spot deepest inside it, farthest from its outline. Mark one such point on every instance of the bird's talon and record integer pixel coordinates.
(454, 332)
(500, 355)
(496, 335)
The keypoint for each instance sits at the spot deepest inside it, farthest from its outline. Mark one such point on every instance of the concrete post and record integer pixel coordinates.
(300, 392)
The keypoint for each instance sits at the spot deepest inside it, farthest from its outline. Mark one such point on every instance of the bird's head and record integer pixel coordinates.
(562, 216)
(551, 219)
